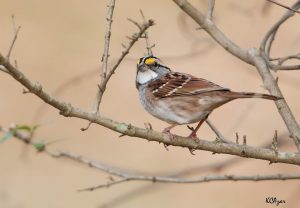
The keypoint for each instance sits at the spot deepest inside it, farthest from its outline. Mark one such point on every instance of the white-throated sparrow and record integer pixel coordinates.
(180, 98)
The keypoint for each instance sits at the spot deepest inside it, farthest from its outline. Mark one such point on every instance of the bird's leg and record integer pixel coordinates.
(168, 129)
(193, 135)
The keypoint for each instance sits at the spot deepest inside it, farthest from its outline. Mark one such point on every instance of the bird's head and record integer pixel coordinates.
(149, 68)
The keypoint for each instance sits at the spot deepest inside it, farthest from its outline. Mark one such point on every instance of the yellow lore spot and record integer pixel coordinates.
(150, 61)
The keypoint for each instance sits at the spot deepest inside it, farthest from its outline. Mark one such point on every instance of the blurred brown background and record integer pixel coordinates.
(60, 40)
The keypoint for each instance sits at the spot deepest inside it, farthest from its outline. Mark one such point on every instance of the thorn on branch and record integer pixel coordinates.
(25, 91)
(111, 178)
(135, 23)
(192, 151)
(200, 28)
(16, 64)
(244, 140)
(122, 135)
(236, 138)
(87, 127)
(275, 143)
(166, 146)
(148, 126)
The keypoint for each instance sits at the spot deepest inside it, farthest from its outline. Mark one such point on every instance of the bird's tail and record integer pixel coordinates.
(235, 95)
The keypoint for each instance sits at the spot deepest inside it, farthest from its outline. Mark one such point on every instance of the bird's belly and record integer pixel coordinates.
(175, 110)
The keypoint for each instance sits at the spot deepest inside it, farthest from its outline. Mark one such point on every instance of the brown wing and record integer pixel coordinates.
(175, 83)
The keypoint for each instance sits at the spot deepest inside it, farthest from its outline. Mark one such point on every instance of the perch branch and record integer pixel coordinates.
(68, 110)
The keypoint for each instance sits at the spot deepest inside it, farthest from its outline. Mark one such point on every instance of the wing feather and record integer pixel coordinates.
(175, 84)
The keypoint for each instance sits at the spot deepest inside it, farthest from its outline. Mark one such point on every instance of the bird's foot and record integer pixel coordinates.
(193, 135)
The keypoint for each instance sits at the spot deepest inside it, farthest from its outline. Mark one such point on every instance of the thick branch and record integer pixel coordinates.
(252, 57)
(272, 86)
(213, 31)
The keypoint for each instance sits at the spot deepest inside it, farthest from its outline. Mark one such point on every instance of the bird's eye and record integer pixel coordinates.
(150, 61)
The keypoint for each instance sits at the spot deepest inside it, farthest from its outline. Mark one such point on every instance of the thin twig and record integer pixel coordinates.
(267, 41)
(106, 74)
(16, 32)
(105, 56)
(107, 185)
(201, 179)
(148, 46)
(128, 176)
(217, 132)
(210, 10)
(286, 7)
(133, 39)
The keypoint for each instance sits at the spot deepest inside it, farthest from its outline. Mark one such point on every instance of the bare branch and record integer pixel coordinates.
(16, 32)
(107, 185)
(133, 39)
(272, 86)
(286, 7)
(108, 24)
(105, 56)
(253, 57)
(211, 5)
(201, 179)
(268, 39)
(217, 132)
(213, 31)
(126, 176)
(148, 46)
(129, 176)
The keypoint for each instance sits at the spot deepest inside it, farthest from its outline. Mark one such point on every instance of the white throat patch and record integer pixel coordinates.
(146, 76)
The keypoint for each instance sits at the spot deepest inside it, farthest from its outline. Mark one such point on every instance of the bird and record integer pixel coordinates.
(180, 98)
